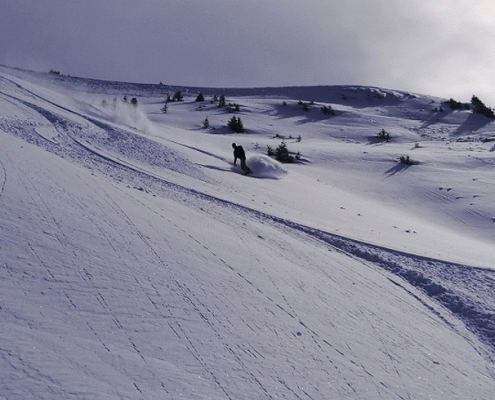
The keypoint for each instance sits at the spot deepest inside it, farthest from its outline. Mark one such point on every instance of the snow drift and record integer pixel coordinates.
(265, 167)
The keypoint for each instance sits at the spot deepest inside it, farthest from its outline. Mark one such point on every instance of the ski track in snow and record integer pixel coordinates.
(106, 149)
(4, 178)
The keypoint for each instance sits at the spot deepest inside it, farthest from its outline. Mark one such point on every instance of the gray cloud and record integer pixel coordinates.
(444, 48)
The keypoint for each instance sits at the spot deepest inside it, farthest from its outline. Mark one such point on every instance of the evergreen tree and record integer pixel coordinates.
(383, 134)
(327, 110)
(178, 96)
(454, 105)
(221, 101)
(282, 153)
(480, 108)
(235, 124)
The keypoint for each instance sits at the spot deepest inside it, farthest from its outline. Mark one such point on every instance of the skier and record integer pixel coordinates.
(239, 154)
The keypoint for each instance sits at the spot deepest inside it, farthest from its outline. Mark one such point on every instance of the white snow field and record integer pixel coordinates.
(136, 262)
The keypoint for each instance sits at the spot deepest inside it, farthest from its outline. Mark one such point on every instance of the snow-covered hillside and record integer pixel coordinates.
(137, 262)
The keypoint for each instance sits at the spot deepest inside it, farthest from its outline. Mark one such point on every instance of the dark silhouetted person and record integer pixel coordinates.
(239, 154)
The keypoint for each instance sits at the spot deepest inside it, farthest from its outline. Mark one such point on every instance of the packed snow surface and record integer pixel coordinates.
(137, 262)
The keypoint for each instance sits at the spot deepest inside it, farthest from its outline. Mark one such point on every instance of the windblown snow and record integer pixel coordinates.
(138, 263)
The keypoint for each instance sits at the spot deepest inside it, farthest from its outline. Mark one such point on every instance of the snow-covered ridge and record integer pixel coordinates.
(137, 262)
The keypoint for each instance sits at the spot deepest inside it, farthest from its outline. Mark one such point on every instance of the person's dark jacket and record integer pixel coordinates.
(239, 154)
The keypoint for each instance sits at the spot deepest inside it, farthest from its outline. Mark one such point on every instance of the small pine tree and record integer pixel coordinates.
(270, 151)
(178, 96)
(221, 101)
(206, 123)
(327, 110)
(200, 97)
(282, 153)
(454, 105)
(384, 135)
(406, 160)
(134, 102)
(236, 125)
(164, 109)
(480, 108)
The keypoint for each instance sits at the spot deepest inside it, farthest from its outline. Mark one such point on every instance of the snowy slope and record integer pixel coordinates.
(136, 262)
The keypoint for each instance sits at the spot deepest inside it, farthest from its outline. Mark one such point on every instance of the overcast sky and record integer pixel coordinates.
(444, 48)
